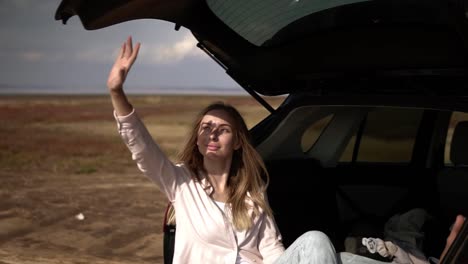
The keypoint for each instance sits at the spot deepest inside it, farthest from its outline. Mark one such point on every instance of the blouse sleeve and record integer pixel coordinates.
(270, 244)
(149, 157)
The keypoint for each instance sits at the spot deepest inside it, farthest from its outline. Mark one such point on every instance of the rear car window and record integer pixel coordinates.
(259, 21)
(388, 135)
(454, 120)
(312, 133)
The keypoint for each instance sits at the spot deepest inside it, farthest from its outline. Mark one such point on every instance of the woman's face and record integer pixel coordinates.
(216, 135)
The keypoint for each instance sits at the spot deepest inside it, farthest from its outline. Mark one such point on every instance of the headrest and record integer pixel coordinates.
(459, 146)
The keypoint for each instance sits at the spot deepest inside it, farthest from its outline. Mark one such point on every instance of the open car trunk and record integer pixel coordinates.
(407, 47)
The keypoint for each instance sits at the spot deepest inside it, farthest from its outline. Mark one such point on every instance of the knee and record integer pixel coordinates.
(318, 245)
(316, 237)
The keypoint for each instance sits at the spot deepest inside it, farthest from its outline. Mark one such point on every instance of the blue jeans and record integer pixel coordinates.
(314, 247)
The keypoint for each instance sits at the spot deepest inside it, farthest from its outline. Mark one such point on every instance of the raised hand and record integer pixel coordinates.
(122, 65)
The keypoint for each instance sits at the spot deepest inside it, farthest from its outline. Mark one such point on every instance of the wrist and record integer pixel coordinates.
(116, 90)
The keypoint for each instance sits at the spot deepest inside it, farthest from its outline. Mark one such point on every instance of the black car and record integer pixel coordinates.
(375, 122)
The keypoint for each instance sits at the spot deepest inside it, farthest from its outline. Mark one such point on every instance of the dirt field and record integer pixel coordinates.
(70, 192)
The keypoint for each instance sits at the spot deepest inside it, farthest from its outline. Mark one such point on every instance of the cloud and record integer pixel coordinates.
(151, 53)
(95, 55)
(31, 56)
(23, 56)
(174, 52)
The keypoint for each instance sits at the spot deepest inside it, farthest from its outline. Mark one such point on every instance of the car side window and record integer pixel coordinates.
(388, 135)
(312, 133)
(455, 118)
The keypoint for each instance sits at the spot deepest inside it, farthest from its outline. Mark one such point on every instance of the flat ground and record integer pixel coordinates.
(61, 158)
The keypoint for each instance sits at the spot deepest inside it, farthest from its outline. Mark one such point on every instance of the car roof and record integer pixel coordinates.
(273, 47)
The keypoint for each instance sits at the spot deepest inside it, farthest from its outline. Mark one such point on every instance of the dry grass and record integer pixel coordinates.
(78, 134)
(61, 155)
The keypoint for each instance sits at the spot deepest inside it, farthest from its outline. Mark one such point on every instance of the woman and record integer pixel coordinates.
(217, 190)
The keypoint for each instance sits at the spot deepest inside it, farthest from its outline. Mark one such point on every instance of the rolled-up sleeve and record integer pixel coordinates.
(149, 157)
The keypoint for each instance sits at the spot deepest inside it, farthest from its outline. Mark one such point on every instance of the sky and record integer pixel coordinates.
(39, 54)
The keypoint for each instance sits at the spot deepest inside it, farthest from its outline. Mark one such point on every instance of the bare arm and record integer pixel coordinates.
(118, 74)
(453, 233)
(150, 158)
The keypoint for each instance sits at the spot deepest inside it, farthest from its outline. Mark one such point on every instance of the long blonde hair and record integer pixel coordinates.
(248, 177)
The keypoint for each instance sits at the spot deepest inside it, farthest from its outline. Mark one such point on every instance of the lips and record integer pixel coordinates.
(212, 147)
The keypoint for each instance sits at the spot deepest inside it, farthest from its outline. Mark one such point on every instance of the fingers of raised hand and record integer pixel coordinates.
(121, 52)
(135, 52)
(128, 53)
(128, 48)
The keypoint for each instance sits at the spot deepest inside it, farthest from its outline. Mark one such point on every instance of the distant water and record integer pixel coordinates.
(37, 89)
